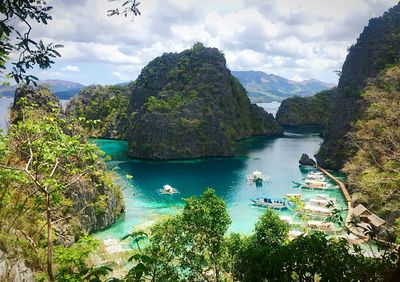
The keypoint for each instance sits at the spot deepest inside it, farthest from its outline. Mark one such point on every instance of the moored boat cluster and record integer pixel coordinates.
(311, 213)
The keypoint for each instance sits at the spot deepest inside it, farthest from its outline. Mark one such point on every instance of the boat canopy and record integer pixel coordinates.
(168, 187)
(257, 173)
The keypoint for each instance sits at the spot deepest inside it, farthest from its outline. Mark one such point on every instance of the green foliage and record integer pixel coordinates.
(71, 261)
(190, 246)
(193, 246)
(40, 168)
(314, 110)
(103, 110)
(172, 102)
(374, 172)
(198, 46)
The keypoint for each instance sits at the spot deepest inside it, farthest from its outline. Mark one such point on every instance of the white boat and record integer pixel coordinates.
(258, 177)
(168, 190)
(319, 225)
(295, 233)
(317, 210)
(322, 200)
(286, 218)
(277, 204)
(316, 176)
(314, 184)
(323, 226)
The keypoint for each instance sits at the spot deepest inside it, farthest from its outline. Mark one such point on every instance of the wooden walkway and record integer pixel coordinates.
(345, 194)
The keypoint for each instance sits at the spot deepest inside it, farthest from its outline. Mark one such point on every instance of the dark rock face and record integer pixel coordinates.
(41, 97)
(306, 160)
(188, 105)
(377, 47)
(312, 110)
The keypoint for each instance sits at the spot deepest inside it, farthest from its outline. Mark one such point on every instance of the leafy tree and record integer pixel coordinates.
(256, 256)
(190, 246)
(72, 262)
(40, 166)
(374, 172)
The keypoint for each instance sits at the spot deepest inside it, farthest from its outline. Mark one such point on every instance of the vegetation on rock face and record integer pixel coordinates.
(189, 105)
(104, 107)
(314, 110)
(374, 171)
(377, 48)
(52, 184)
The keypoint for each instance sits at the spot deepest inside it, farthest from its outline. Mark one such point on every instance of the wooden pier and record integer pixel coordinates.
(345, 194)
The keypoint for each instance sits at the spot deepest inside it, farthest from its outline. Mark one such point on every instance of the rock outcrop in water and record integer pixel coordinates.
(188, 105)
(306, 160)
(377, 47)
(314, 110)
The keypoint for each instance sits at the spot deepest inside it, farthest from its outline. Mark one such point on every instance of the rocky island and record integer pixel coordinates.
(313, 110)
(189, 105)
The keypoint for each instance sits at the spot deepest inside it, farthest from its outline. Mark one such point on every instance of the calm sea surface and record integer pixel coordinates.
(276, 157)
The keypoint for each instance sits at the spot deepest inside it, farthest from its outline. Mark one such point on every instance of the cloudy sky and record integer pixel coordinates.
(292, 38)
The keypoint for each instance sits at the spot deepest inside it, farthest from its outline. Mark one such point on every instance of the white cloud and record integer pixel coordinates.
(71, 68)
(298, 39)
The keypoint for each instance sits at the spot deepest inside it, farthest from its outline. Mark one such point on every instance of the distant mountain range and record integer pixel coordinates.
(262, 87)
(61, 88)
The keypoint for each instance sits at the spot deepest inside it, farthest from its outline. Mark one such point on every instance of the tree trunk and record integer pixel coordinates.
(49, 241)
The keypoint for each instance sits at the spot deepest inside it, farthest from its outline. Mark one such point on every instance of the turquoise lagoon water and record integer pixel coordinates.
(277, 157)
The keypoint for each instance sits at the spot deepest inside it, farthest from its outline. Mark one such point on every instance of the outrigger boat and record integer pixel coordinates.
(315, 176)
(317, 210)
(258, 177)
(168, 190)
(312, 184)
(322, 200)
(276, 204)
(323, 226)
(297, 184)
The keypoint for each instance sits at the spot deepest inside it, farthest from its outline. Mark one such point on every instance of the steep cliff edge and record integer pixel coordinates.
(373, 172)
(377, 47)
(313, 110)
(188, 105)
